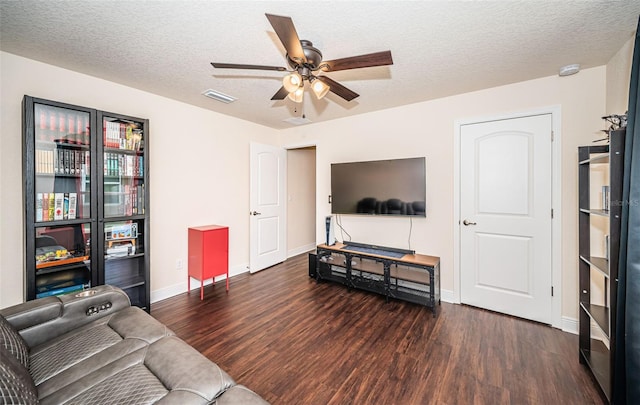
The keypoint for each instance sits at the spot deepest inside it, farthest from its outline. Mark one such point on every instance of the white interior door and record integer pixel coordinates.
(505, 216)
(267, 224)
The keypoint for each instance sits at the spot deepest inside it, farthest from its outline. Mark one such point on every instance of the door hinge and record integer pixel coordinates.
(552, 291)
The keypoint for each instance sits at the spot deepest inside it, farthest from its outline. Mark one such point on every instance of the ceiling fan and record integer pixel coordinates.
(305, 60)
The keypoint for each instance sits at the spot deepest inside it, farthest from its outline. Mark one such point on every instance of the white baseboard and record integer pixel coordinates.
(168, 292)
(301, 249)
(447, 296)
(570, 325)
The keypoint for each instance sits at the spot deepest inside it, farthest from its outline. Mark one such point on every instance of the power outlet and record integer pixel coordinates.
(179, 264)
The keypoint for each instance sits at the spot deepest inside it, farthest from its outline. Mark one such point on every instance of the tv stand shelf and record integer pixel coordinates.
(409, 276)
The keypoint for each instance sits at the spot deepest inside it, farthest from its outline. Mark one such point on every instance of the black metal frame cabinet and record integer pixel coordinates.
(86, 199)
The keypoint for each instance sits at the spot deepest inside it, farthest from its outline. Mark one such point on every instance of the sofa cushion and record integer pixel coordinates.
(16, 385)
(181, 368)
(123, 381)
(239, 395)
(73, 355)
(11, 340)
(167, 371)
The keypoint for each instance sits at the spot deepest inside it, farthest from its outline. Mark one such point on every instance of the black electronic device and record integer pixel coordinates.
(380, 187)
(312, 265)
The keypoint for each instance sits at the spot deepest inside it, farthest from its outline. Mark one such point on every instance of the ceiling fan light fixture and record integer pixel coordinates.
(297, 95)
(320, 88)
(292, 82)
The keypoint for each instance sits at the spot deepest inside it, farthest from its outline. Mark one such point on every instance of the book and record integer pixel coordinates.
(78, 161)
(72, 162)
(73, 201)
(60, 291)
(66, 162)
(39, 201)
(58, 213)
(51, 206)
(65, 209)
(45, 206)
(60, 162)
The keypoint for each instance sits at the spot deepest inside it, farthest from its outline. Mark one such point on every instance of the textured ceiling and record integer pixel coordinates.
(440, 48)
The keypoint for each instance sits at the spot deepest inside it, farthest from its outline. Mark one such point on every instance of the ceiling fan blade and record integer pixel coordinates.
(281, 94)
(253, 67)
(283, 26)
(354, 62)
(338, 89)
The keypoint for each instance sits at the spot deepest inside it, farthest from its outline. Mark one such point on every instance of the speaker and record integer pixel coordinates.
(331, 237)
(312, 265)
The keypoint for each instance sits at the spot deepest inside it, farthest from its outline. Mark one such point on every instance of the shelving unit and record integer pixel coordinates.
(85, 173)
(598, 260)
(401, 275)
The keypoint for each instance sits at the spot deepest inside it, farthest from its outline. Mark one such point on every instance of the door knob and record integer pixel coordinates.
(467, 223)
(255, 213)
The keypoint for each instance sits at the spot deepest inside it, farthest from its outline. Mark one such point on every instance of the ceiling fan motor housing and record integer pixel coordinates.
(313, 55)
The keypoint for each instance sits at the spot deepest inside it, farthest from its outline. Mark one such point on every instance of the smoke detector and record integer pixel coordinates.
(569, 70)
(298, 120)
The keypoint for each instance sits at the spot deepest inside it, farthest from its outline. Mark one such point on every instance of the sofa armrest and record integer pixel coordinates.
(43, 319)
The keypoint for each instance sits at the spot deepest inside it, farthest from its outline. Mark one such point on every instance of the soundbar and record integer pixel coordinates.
(376, 249)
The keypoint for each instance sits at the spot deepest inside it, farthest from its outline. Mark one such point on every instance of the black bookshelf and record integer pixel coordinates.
(86, 199)
(597, 343)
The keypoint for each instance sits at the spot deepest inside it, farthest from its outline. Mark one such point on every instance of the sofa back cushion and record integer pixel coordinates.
(16, 385)
(11, 340)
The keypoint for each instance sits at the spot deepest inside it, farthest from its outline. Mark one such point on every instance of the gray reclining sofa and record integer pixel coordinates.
(95, 348)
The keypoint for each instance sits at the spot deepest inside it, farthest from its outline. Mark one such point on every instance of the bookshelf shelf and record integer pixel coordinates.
(86, 174)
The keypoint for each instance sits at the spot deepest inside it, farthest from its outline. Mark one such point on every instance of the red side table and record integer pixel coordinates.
(208, 254)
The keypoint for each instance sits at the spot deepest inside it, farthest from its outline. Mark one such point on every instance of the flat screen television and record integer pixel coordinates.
(379, 187)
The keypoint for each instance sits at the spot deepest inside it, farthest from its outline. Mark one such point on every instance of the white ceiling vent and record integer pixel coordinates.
(298, 120)
(216, 95)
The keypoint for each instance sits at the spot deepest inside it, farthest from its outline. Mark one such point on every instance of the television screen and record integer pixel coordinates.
(379, 187)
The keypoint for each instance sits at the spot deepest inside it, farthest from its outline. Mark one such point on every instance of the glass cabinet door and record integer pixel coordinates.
(123, 224)
(58, 186)
(62, 164)
(62, 255)
(123, 168)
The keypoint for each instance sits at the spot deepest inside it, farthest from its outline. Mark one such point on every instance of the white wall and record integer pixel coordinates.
(427, 129)
(618, 78)
(301, 200)
(199, 169)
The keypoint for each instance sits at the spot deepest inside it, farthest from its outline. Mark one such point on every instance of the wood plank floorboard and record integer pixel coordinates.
(295, 341)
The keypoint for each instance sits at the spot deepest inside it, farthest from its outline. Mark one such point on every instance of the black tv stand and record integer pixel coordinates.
(391, 272)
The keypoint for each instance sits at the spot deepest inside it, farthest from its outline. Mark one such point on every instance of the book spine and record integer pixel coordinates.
(59, 206)
(52, 124)
(52, 206)
(45, 206)
(67, 168)
(42, 123)
(60, 161)
(72, 162)
(65, 206)
(73, 201)
(39, 201)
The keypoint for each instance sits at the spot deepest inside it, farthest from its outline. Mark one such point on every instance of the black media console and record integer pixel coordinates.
(394, 273)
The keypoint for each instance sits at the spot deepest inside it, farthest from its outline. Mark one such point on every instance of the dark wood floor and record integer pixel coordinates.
(297, 342)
